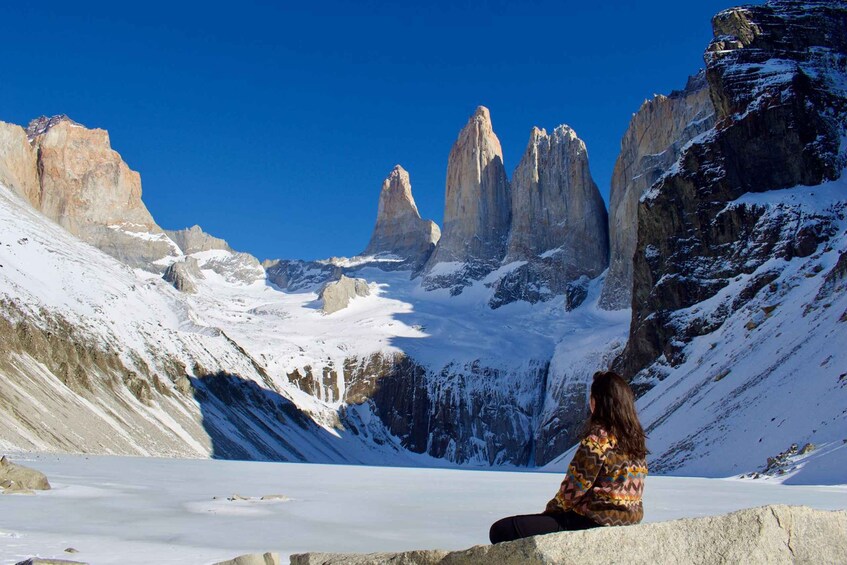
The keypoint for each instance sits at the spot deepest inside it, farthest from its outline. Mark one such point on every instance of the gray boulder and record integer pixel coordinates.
(769, 534)
(17, 478)
(184, 274)
(337, 295)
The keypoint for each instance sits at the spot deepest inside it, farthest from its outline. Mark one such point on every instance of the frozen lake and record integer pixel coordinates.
(145, 510)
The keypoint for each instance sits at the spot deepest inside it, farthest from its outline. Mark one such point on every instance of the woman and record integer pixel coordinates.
(605, 479)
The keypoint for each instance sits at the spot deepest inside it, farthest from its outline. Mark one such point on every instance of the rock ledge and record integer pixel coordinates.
(769, 534)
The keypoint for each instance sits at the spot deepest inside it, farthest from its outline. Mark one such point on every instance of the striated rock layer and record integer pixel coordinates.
(655, 139)
(194, 240)
(400, 230)
(770, 534)
(477, 210)
(776, 77)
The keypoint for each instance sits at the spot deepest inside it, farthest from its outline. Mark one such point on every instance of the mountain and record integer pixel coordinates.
(477, 208)
(657, 135)
(730, 192)
(400, 231)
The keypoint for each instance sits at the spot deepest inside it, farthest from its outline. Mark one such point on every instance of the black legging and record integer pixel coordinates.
(516, 527)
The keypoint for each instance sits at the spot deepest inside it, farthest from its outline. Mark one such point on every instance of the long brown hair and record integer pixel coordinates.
(614, 410)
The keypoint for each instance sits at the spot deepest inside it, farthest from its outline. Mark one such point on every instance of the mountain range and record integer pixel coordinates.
(715, 283)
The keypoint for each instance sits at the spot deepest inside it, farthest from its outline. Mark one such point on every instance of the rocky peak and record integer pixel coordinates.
(40, 125)
(194, 239)
(653, 142)
(399, 228)
(477, 209)
(556, 205)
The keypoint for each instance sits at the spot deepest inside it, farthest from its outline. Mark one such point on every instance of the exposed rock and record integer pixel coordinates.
(477, 209)
(253, 559)
(295, 275)
(770, 534)
(556, 206)
(183, 275)
(777, 89)
(16, 478)
(559, 223)
(653, 142)
(18, 167)
(194, 239)
(338, 294)
(88, 189)
(236, 267)
(400, 230)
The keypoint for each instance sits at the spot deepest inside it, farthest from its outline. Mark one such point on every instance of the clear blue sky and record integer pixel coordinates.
(273, 124)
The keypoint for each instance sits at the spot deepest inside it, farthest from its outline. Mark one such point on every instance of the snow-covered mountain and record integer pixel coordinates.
(481, 354)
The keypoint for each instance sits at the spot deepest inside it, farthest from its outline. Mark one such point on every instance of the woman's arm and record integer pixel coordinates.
(582, 472)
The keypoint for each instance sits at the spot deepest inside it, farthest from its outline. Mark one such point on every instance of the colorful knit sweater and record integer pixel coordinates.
(601, 483)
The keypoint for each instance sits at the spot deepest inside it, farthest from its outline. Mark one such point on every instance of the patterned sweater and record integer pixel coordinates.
(601, 483)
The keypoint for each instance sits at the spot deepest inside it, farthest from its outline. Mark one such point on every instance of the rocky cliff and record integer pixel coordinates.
(776, 77)
(477, 209)
(18, 163)
(559, 223)
(194, 240)
(89, 190)
(655, 139)
(400, 231)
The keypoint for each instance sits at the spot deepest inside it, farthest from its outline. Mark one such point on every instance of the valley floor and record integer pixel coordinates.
(171, 511)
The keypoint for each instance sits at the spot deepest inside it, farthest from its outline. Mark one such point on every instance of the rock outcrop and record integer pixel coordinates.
(656, 136)
(253, 559)
(89, 190)
(17, 478)
(559, 222)
(776, 74)
(194, 239)
(337, 295)
(477, 209)
(18, 163)
(769, 534)
(400, 231)
(183, 275)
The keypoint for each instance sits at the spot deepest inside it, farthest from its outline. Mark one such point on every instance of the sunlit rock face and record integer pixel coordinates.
(89, 190)
(656, 136)
(559, 222)
(477, 210)
(400, 231)
(18, 163)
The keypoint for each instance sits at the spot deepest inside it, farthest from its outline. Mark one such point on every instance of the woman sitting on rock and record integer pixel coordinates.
(605, 479)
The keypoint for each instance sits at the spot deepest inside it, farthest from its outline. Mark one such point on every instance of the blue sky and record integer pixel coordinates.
(273, 124)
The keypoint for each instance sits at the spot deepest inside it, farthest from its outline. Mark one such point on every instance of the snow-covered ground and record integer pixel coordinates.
(124, 510)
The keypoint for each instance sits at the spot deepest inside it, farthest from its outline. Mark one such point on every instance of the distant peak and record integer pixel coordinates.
(482, 112)
(42, 125)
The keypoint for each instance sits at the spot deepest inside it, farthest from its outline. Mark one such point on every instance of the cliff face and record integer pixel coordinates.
(18, 167)
(400, 230)
(776, 77)
(559, 222)
(653, 142)
(87, 188)
(477, 208)
(194, 240)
